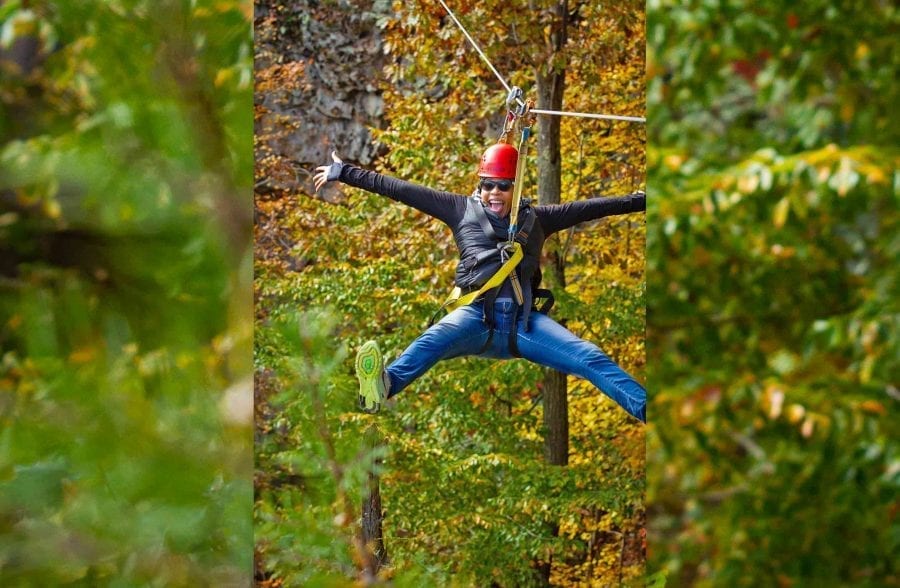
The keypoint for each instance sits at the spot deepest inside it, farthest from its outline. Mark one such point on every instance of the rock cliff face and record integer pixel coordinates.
(326, 96)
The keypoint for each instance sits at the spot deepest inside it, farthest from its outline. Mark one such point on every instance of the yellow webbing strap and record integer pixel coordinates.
(524, 121)
(455, 300)
(517, 184)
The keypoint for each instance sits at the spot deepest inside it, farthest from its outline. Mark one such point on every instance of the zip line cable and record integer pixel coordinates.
(588, 115)
(519, 100)
(478, 49)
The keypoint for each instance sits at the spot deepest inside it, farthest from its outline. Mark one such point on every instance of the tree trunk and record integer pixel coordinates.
(372, 513)
(372, 516)
(551, 84)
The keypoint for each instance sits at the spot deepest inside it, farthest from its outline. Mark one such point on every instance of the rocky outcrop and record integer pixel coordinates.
(318, 67)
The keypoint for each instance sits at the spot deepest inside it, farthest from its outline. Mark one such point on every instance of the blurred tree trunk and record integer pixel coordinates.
(372, 516)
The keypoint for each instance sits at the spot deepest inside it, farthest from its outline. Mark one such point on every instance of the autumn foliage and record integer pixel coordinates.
(466, 495)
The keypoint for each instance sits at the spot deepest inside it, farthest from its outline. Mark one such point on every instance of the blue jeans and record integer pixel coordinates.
(463, 332)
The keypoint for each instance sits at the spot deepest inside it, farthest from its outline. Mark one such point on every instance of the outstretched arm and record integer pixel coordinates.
(444, 206)
(562, 216)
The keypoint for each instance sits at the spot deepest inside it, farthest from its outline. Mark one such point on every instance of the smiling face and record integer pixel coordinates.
(497, 195)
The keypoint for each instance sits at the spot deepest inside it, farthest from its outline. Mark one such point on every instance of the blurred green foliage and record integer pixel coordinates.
(125, 397)
(772, 293)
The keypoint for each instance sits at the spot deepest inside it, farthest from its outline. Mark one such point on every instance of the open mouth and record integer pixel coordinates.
(496, 205)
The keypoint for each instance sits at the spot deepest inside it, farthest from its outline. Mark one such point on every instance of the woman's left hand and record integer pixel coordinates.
(321, 177)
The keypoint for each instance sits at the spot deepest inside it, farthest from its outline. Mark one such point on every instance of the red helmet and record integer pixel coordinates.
(499, 161)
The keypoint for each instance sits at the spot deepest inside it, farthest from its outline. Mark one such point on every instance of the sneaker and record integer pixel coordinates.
(370, 371)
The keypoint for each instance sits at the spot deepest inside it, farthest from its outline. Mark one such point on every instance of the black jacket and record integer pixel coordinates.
(461, 214)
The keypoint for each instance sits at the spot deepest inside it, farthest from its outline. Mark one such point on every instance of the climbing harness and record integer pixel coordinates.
(458, 299)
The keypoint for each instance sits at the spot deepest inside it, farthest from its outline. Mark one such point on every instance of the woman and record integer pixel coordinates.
(500, 323)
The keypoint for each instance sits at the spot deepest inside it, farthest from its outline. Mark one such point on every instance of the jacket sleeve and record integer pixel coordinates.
(562, 216)
(444, 206)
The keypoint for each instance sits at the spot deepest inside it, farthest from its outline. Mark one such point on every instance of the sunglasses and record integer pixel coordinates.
(503, 185)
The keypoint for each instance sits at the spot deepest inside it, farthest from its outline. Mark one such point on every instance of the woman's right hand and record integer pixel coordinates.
(327, 173)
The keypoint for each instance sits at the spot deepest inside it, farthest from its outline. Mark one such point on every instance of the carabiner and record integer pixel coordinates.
(513, 99)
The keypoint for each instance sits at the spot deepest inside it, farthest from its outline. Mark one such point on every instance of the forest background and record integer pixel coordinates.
(772, 288)
(125, 309)
(467, 491)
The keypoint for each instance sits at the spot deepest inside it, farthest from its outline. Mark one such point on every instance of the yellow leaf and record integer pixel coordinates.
(748, 183)
(847, 110)
(223, 76)
(795, 413)
(774, 398)
(14, 322)
(781, 212)
(872, 407)
(52, 209)
(673, 161)
(83, 355)
(807, 428)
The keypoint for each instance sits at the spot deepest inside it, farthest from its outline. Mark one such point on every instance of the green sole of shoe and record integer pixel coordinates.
(369, 366)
